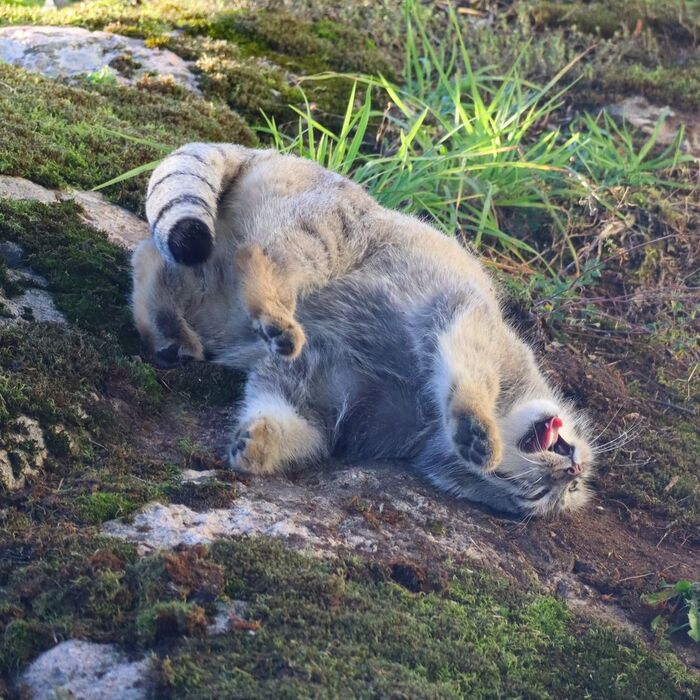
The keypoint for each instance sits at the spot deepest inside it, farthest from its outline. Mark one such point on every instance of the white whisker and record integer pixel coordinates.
(602, 432)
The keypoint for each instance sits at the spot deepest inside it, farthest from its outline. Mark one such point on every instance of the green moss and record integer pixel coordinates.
(8, 286)
(202, 497)
(100, 507)
(55, 135)
(75, 258)
(247, 58)
(329, 629)
(20, 642)
(319, 628)
(205, 383)
(172, 619)
(58, 375)
(674, 19)
(678, 87)
(321, 45)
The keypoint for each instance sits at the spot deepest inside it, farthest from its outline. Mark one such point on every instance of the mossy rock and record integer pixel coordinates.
(678, 87)
(265, 49)
(671, 19)
(62, 136)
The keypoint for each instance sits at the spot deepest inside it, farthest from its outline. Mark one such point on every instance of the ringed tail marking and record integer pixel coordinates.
(183, 196)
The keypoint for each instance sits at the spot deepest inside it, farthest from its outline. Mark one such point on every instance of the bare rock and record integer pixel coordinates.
(86, 671)
(121, 226)
(19, 188)
(69, 52)
(353, 510)
(22, 452)
(197, 476)
(34, 305)
(643, 115)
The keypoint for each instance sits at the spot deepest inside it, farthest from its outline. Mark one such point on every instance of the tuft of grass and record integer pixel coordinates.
(465, 146)
(682, 603)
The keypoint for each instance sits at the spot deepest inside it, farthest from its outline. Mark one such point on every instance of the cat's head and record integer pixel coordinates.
(183, 313)
(547, 461)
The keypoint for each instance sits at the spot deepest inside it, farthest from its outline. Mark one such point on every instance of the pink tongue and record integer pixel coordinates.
(551, 432)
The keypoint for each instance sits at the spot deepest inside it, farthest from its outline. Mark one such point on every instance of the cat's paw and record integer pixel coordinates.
(477, 439)
(286, 338)
(256, 447)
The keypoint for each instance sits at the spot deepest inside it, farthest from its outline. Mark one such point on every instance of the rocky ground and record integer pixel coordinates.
(132, 565)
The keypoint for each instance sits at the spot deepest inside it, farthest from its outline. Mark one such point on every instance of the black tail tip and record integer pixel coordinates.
(190, 242)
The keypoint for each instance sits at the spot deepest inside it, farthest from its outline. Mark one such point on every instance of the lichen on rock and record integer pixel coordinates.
(22, 452)
(68, 52)
(87, 671)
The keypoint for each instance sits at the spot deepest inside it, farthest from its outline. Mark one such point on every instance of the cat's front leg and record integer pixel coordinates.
(473, 428)
(269, 295)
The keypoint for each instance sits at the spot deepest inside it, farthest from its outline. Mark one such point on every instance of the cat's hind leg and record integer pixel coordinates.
(275, 430)
(466, 385)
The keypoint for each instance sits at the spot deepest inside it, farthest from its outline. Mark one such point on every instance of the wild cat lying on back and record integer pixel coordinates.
(366, 333)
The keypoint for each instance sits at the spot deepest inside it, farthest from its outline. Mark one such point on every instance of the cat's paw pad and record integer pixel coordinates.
(255, 447)
(286, 339)
(476, 440)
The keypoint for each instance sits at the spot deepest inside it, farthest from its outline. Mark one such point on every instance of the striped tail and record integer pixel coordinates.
(183, 196)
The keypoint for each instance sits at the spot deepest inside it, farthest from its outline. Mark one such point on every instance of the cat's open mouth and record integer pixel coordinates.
(544, 436)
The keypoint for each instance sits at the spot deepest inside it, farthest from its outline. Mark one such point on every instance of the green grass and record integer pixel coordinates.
(465, 146)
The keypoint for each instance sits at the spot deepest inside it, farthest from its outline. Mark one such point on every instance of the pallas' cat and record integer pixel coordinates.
(366, 334)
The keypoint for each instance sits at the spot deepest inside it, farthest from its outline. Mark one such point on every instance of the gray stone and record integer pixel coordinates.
(644, 115)
(326, 517)
(121, 226)
(12, 254)
(35, 305)
(198, 477)
(86, 671)
(19, 188)
(69, 52)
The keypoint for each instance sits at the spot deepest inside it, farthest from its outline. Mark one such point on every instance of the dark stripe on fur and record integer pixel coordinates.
(344, 223)
(312, 231)
(169, 324)
(182, 199)
(186, 154)
(156, 184)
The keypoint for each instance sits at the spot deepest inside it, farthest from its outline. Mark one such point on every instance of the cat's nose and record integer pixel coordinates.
(575, 470)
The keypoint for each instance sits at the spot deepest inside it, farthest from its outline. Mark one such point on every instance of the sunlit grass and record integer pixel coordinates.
(461, 145)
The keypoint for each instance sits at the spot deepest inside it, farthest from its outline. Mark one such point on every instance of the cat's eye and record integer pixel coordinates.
(541, 493)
